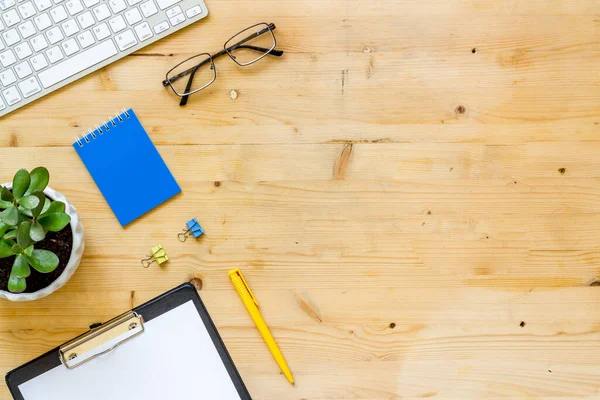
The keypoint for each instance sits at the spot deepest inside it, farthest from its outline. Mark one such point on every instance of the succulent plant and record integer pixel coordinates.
(26, 217)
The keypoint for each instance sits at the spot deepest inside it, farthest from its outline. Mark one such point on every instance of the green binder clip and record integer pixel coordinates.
(158, 256)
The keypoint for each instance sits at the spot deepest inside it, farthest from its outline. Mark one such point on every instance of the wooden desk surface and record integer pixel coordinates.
(412, 191)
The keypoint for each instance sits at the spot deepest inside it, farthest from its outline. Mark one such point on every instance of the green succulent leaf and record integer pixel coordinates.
(47, 204)
(54, 207)
(10, 216)
(20, 267)
(55, 222)
(16, 284)
(28, 251)
(37, 232)
(10, 235)
(5, 249)
(43, 261)
(22, 218)
(42, 203)
(25, 212)
(6, 195)
(23, 235)
(3, 228)
(29, 202)
(17, 249)
(29, 213)
(20, 183)
(39, 180)
(4, 204)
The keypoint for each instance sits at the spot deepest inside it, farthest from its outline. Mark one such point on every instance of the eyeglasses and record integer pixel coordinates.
(245, 48)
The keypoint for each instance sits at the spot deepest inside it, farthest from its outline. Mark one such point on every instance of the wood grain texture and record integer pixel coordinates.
(412, 191)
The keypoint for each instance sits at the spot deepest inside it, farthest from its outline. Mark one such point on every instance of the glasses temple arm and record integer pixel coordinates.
(276, 53)
(188, 87)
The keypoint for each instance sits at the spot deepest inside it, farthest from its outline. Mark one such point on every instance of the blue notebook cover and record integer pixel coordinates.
(126, 166)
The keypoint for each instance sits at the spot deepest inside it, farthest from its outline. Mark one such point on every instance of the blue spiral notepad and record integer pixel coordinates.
(126, 166)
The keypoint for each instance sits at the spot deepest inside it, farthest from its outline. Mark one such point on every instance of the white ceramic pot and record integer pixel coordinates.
(76, 253)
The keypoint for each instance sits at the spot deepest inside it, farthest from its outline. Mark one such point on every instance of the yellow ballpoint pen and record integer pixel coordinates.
(241, 286)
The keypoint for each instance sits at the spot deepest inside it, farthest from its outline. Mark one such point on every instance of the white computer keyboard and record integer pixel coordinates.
(46, 44)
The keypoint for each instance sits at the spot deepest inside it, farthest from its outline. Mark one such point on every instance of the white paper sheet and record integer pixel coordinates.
(175, 358)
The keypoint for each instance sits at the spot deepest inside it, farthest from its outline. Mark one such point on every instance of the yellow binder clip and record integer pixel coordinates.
(158, 256)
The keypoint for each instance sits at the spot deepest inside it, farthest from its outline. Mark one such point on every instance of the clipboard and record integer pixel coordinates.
(138, 355)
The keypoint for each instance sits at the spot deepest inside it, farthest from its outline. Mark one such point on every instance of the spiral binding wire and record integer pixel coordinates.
(103, 128)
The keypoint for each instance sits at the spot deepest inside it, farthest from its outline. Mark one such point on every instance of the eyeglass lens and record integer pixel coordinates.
(251, 44)
(200, 67)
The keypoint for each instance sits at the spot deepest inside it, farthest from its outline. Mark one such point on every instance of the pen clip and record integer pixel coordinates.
(239, 273)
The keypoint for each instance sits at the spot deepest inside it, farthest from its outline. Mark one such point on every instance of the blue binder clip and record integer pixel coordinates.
(193, 229)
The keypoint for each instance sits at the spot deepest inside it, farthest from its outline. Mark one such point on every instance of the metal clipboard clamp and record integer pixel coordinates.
(101, 340)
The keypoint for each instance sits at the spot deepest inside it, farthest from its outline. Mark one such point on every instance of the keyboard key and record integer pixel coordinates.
(126, 40)
(133, 16)
(90, 3)
(86, 20)
(27, 30)
(133, 2)
(2, 105)
(101, 12)
(38, 62)
(11, 18)
(54, 54)
(23, 50)
(143, 31)
(58, 1)
(59, 14)
(77, 63)
(1, 45)
(163, 26)
(117, 24)
(101, 31)
(85, 39)
(176, 20)
(11, 95)
(43, 5)
(6, 4)
(192, 12)
(8, 77)
(166, 3)
(54, 35)
(70, 27)
(74, 6)
(70, 47)
(117, 5)
(148, 8)
(39, 43)
(7, 58)
(23, 70)
(29, 87)
(173, 12)
(42, 21)
(11, 37)
(1, 26)
(27, 10)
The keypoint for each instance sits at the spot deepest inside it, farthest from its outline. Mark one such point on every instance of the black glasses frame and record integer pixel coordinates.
(229, 49)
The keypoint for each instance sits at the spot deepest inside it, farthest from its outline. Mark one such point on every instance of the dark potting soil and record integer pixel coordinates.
(60, 243)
